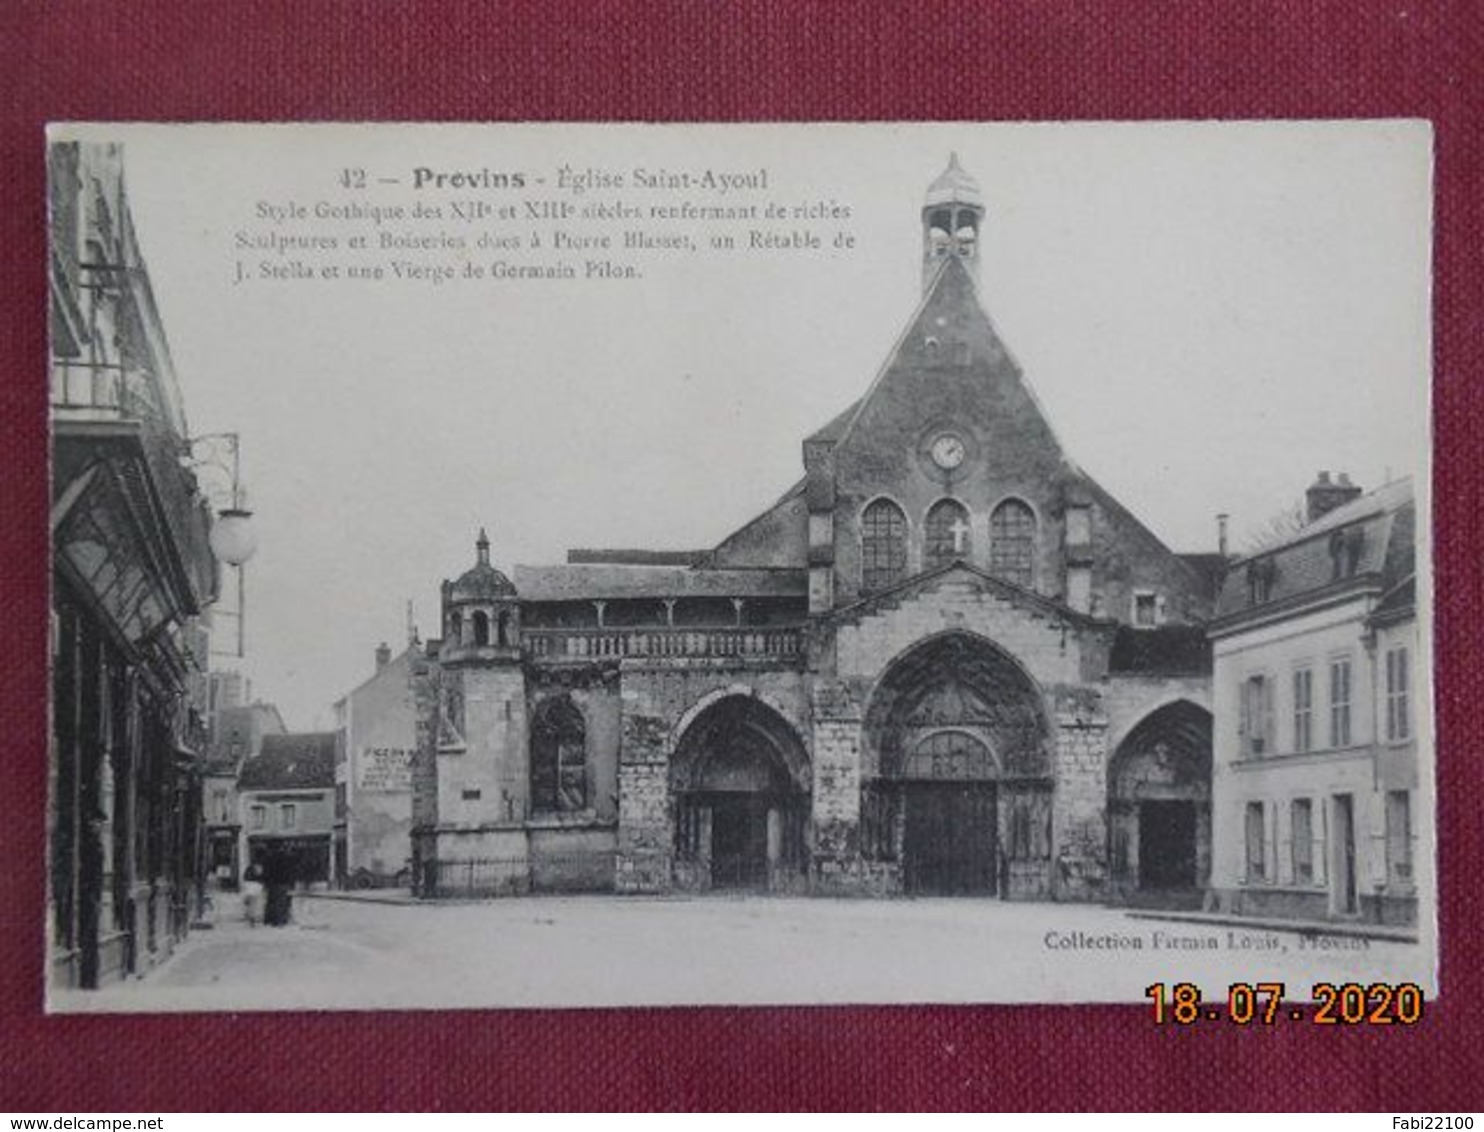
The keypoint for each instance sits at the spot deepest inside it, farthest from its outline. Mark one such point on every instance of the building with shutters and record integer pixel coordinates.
(1316, 778)
(945, 661)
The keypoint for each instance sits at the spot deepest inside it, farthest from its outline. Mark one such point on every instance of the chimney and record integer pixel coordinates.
(1221, 533)
(1325, 494)
(383, 655)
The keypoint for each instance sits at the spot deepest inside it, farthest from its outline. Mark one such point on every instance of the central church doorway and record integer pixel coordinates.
(739, 782)
(950, 843)
(958, 735)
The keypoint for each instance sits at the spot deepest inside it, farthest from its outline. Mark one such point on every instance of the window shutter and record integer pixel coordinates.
(1270, 812)
(1283, 866)
(1321, 842)
(1375, 814)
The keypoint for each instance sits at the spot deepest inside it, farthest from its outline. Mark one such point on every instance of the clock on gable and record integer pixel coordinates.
(946, 450)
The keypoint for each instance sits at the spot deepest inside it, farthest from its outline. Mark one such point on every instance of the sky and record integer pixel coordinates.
(1209, 313)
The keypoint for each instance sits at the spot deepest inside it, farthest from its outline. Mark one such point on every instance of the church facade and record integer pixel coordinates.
(945, 662)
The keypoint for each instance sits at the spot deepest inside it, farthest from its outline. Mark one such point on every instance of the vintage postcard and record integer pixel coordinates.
(577, 565)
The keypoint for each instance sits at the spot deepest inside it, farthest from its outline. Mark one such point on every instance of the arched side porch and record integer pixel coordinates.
(739, 800)
(1159, 808)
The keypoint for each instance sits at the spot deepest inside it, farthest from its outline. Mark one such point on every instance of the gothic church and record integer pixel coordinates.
(945, 662)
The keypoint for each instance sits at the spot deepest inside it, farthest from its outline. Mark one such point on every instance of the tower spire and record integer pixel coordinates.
(951, 217)
(482, 547)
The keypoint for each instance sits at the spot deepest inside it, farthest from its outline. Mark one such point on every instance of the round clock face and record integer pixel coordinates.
(948, 452)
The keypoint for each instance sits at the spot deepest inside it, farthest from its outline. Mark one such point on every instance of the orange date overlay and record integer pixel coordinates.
(1262, 1004)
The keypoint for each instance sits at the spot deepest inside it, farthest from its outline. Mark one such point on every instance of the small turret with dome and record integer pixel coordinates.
(481, 612)
(951, 218)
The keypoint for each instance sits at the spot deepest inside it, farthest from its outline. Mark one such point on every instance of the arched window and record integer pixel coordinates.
(1012, 543)
(502, 629)
(559, 757)
(481, 628)
(947, 532)
(455, 627)
(883, 545)
(949, 755)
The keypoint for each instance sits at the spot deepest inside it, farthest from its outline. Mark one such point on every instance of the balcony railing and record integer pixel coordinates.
(86, 395)
(100, 390)
(558, 645)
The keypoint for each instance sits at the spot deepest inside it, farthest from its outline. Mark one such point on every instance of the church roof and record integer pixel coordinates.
(1165, 650)
(950, 308)
(836, 427)
(954, 186)
(603, 581)
(632, 557)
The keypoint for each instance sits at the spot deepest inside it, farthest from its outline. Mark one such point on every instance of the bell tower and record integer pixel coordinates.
(951, 218)
(481, 726)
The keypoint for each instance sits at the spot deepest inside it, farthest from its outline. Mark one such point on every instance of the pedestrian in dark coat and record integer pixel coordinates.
(278, 879)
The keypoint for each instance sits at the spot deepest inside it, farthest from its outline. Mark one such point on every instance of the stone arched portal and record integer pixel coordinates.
(1159, 807)
(739, 780)
(958, 783)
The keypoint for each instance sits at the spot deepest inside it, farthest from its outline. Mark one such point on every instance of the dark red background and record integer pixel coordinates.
(308, 59)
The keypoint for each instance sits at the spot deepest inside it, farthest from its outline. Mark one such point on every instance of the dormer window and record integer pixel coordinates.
(1260, 577)
(1345, 548)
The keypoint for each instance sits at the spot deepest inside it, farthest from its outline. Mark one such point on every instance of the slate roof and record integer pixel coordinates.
(591, 556)
(1384, 522)
(836, 427)
(1399, 603)
(1210, 567)
(1163, 650)
(296, 761)
(481, 580)
(597, 581)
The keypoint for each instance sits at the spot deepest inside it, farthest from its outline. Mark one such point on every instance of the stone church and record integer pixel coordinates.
(945, 662)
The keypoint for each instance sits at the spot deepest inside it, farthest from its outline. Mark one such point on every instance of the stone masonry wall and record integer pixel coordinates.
(658, 701)
(1049, 648)
(1079, 830)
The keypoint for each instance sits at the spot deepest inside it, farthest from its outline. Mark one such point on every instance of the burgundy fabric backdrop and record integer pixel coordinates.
(307, 59)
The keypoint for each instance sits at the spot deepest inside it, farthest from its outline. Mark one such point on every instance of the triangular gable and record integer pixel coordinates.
(953, 296)
(918, 583)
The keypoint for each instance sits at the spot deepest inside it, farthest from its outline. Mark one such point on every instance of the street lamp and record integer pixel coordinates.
(233, 538)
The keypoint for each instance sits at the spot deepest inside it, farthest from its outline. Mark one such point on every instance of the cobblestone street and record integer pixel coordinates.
(606, 951)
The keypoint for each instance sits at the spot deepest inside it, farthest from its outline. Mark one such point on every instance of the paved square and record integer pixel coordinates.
(610, 951)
